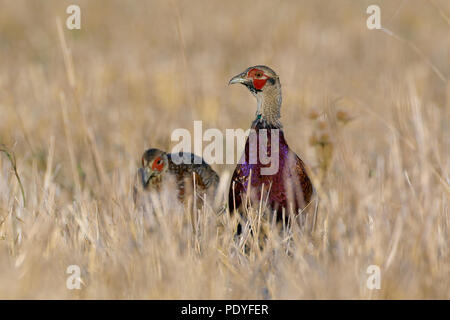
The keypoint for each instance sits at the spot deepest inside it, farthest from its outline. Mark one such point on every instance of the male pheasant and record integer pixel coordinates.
(289, 187)
(177, 170)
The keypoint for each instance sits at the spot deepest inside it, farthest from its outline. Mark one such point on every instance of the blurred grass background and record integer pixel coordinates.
(145, 68)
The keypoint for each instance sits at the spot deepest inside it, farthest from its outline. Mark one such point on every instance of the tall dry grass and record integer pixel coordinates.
(77, 109)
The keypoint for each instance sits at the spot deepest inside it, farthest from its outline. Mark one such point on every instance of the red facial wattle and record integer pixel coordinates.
(259, 78)
(158, 164)
(259, 83)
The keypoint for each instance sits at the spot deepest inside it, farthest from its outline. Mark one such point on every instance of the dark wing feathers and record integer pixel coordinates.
(206, 177)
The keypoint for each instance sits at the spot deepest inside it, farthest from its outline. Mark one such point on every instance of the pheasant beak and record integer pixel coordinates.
(146, 174)
(240, 78)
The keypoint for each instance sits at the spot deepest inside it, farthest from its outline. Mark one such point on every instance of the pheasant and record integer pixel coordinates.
(289, 187)
(180, 169)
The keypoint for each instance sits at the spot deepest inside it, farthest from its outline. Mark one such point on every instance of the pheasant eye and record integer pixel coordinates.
(158, 164)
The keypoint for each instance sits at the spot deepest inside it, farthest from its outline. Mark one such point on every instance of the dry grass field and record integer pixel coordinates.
(367, 110)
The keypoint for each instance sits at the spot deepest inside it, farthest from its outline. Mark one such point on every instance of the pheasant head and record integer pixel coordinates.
(265, 85)
(154, 164)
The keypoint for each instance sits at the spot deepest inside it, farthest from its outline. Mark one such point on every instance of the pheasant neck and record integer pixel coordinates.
(268, 106)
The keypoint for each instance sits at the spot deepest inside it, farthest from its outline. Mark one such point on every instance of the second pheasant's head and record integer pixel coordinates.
(154, 164)
(258, 79)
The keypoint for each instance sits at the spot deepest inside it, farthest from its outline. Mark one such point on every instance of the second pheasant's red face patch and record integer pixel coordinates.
(158, 164)
(258, 77)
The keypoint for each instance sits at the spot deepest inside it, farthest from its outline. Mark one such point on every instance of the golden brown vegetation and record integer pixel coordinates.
(78, 108)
